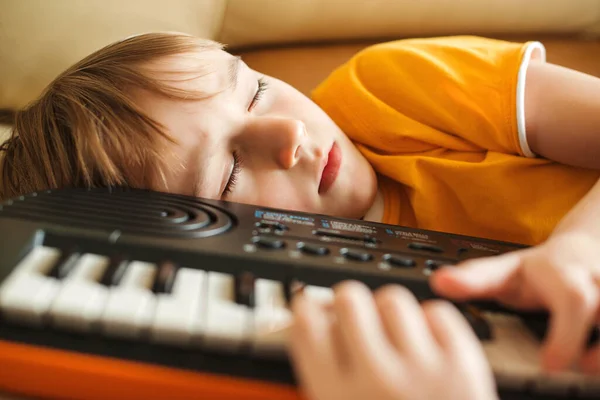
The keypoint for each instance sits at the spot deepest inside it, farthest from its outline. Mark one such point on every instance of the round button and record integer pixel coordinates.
(264, 231)
(313, 249)
(436, 264)
(268, 243)
(399, 261)
(370, 239)
(356, 255)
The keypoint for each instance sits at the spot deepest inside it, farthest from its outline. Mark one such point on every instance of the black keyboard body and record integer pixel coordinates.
(224, 237)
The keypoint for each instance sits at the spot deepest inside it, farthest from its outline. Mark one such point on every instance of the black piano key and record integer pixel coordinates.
(539, 325)
(244, 289)
(478, 323)
(115, 271)
(290, 288)
(64, 265)
(165, 278)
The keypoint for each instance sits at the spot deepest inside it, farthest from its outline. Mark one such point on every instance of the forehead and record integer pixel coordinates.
(205, 72)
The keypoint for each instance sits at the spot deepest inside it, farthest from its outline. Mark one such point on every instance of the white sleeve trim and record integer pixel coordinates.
(521, 94)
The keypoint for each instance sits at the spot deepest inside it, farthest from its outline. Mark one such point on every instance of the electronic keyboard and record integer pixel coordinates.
(129, 293)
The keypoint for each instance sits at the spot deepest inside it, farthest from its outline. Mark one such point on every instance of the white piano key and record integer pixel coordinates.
(514, 355)
(27, 293)
(269, 293)
(139, 275)
(179, 314)
(81, 299)
(39, 260)
(271, 320)
(227, 324)
(319, 293)
(130, 306)
(89, 267)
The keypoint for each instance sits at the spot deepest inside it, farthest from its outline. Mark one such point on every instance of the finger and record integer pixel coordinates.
(484, 278)
(340, 349)
(405, 324)
(361, 329)
(312, 349)
(454, 335)
(572, 298)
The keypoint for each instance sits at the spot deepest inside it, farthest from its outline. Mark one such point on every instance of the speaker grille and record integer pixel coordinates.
(134, 211)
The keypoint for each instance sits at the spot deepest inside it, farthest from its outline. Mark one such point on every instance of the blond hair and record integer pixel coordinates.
(86, 131)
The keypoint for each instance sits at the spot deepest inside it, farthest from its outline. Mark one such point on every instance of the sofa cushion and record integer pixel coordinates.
(40, 38)
(258, 22)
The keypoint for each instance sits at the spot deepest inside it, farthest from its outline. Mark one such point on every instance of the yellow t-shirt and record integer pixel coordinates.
(442, 122)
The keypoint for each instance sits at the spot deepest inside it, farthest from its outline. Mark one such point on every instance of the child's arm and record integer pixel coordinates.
(386, 346)
(562, 114)
(561, 275)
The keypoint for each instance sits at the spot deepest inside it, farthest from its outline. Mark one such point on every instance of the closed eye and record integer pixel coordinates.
(235, 171)
(262, 87)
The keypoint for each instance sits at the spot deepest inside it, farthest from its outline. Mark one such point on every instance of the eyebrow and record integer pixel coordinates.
(200, 181)
(234, 68)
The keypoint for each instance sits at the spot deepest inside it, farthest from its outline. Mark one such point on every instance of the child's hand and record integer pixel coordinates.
(386, 346)
(560, 275)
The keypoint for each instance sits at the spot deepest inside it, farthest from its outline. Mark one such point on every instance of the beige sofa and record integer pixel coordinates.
(300, 41)
(305, 38)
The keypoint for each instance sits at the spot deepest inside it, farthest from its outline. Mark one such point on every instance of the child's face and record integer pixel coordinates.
(259, 141)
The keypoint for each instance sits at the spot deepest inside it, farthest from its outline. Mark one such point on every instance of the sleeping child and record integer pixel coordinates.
(464, 135)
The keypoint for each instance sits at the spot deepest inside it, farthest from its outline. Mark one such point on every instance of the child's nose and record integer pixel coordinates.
(286, 137)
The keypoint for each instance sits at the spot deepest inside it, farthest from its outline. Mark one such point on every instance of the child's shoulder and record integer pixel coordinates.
(451, 52)
(463, 41)
(437, 44)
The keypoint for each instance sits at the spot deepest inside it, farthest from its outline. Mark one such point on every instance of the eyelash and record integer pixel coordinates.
(262, 87)
(237, 167)
(237, 159)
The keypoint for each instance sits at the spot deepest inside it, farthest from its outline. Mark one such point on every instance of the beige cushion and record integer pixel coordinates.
(251, 22)
(41, 38)
(4, 133)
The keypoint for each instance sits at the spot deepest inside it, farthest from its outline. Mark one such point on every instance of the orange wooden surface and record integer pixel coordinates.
(58, 374)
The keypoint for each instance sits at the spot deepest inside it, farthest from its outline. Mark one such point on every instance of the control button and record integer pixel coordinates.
(347, 236)
(357, 255)
(434, 265)
(399, 261)
(278, 226)
(268, 243)
(314, 249)
(425, 247)
(370, 239)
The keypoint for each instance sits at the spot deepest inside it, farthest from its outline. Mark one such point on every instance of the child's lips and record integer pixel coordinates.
(331, 168)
